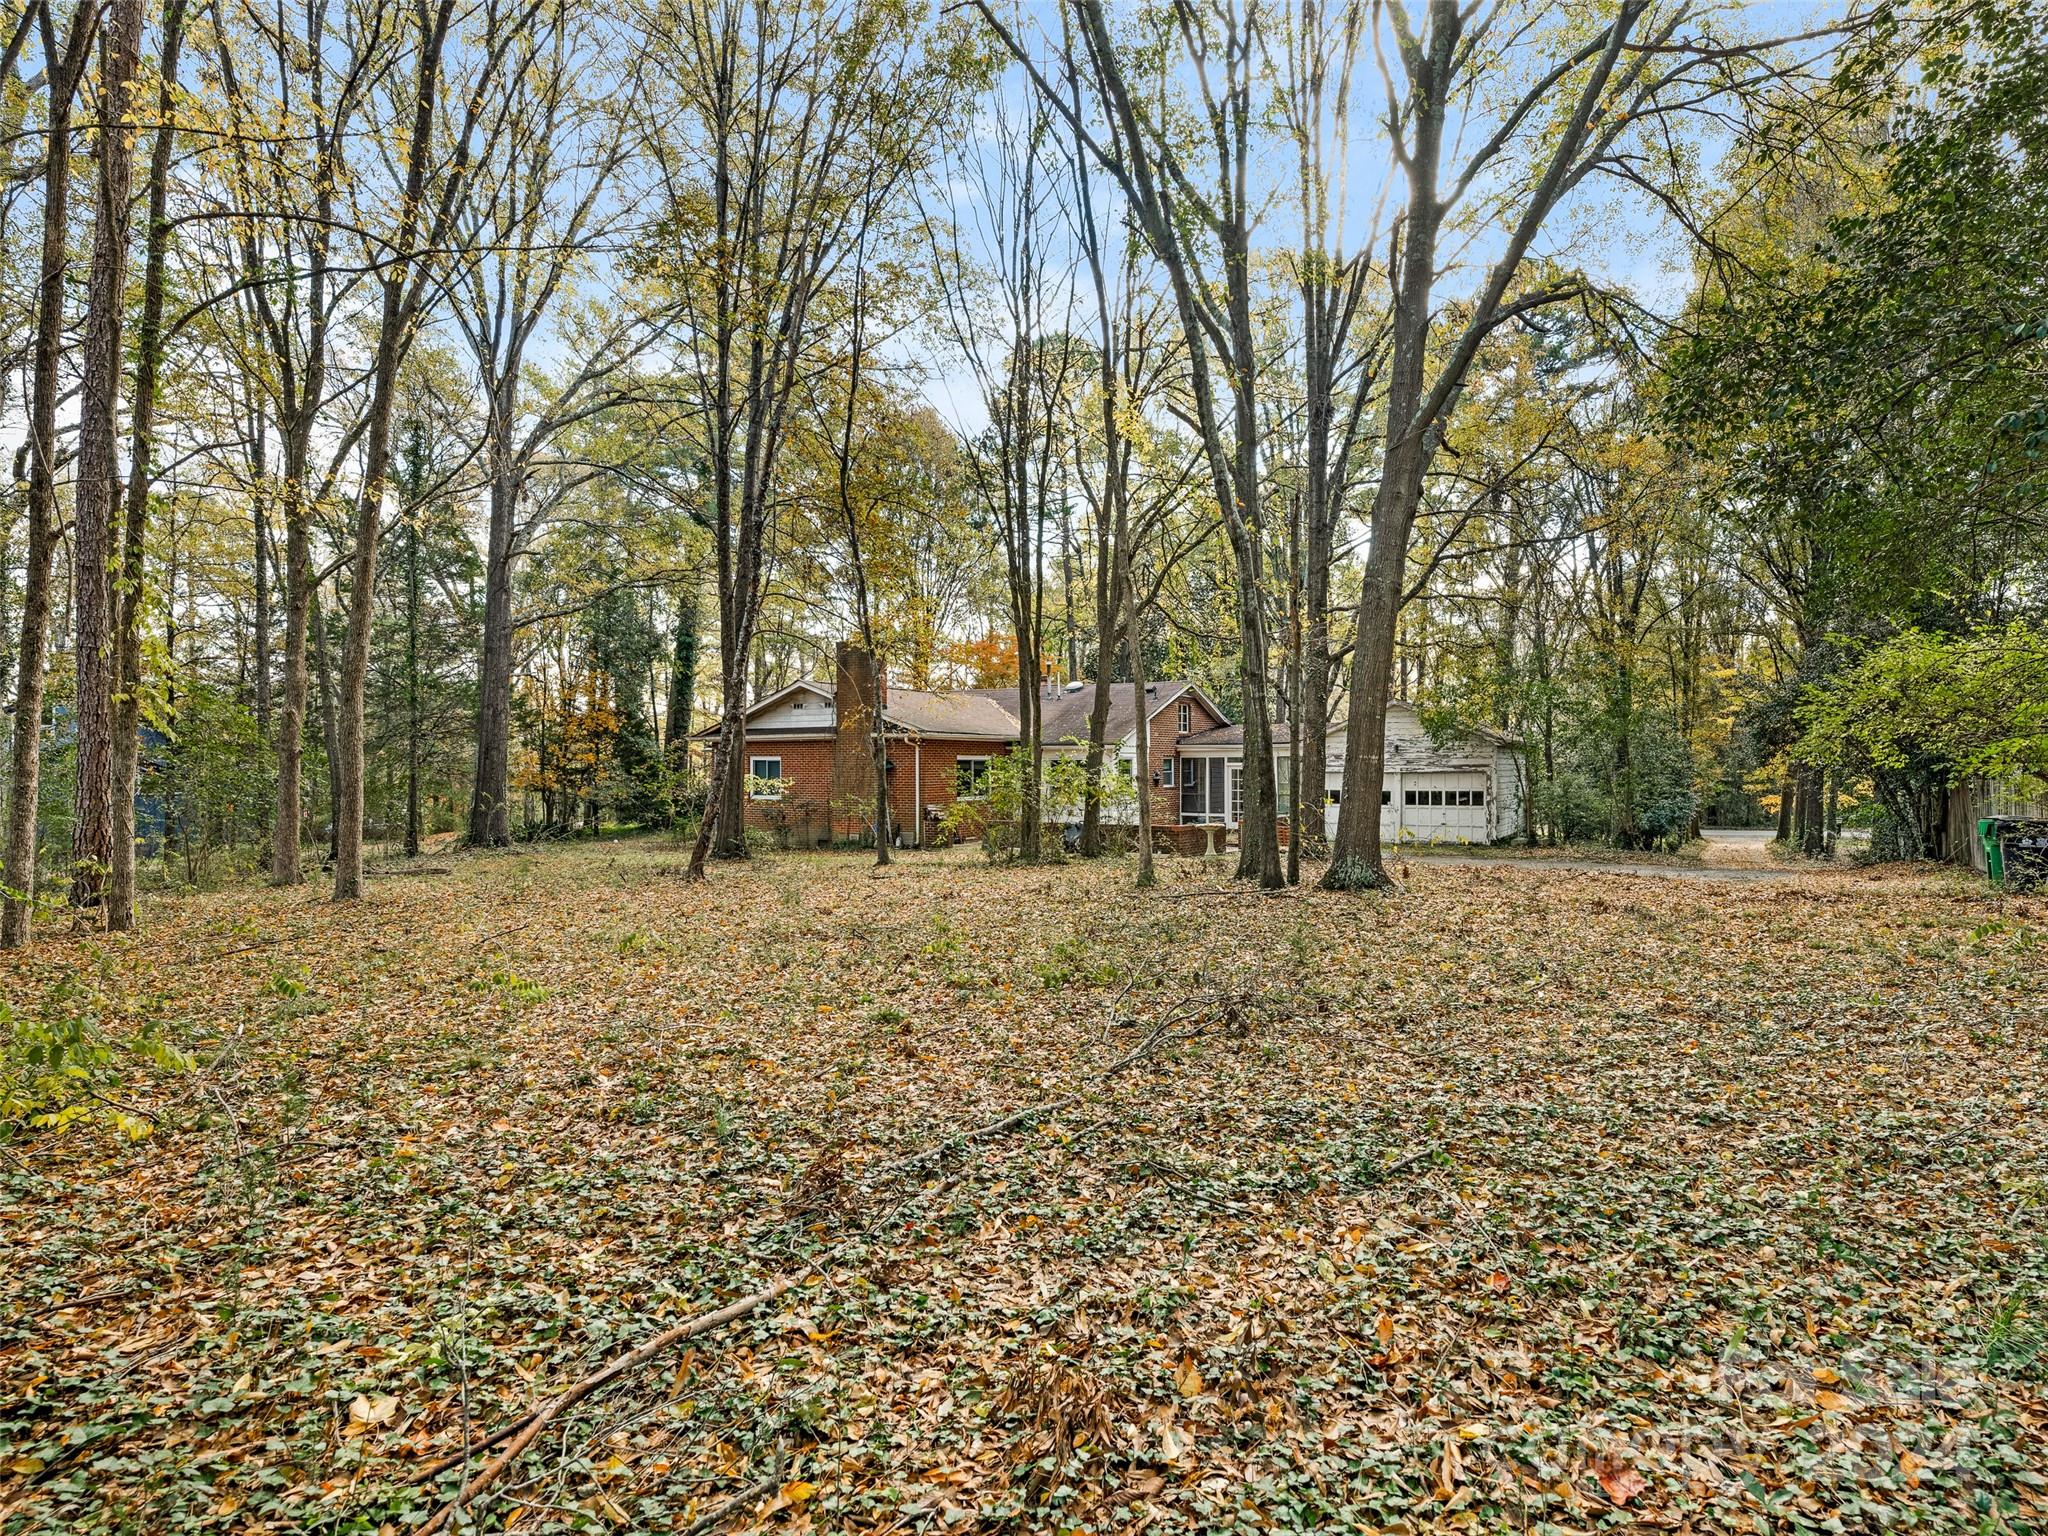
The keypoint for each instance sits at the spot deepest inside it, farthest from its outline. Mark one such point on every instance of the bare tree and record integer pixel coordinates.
(149, 340)
(1025, 365)
(1318, 48)
(548, 208)
(1581, 111)
(1198, 220)
(286, 171)
(775, 118)
(63, 67)
(411, 256)
(96, 503)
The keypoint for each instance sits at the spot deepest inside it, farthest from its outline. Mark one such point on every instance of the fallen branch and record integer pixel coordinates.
(713, 1518)
(522, 1433)
(239, 949)
(1011, 1122)
(1403, 1164)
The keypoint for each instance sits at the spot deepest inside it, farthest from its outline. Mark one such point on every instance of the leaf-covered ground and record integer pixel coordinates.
(1528, 1199)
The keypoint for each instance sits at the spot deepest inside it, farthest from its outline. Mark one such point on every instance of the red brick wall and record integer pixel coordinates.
(934, 764)
(806, 787)
(1165, 743)
(807, 778)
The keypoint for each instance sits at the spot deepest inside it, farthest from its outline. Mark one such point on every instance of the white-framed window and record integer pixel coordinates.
(766, 772)
(970, 778)
(1166, 773)
(1187, 717)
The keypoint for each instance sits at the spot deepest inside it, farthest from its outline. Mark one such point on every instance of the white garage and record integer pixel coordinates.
(1441, 807)
(1465, 787)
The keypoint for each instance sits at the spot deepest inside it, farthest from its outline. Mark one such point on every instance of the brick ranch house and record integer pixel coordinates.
(812, 761)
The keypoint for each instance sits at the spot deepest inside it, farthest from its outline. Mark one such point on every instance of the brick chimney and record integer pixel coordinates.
(858, 690)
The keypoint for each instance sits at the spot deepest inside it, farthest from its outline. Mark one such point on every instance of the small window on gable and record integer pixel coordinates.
(1166, 773)
(1187, 717)
(766, 774)
(970, 778)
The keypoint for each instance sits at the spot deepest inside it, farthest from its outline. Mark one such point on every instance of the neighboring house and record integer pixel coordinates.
(810, 762)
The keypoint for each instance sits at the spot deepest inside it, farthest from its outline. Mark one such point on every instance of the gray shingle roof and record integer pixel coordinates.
(977, 712)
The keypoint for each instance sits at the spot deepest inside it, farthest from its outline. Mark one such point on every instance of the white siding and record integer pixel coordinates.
(799, 710)
(1509, 792)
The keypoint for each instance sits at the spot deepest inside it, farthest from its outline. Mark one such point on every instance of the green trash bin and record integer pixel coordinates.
(1994, 856)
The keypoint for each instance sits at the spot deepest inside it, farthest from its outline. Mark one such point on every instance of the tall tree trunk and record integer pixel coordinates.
(1297, 814)
(329, 734)
(349, 766)
(1142, 727)
(1098, 708)
(1416, 415)
(412, 687)
(490, 803)
(682, 683)
(142, 427)
(1813, 836)
(259, 523)
(394, 338)
(26, 776)
(96, 501)
(1356, 860)
(300, 605)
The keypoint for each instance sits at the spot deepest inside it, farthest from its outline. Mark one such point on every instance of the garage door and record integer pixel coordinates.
(1444, 807)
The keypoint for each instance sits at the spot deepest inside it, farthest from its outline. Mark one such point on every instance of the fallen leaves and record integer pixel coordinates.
(368, 1410)
(1618, 1481)
(1664, 1209)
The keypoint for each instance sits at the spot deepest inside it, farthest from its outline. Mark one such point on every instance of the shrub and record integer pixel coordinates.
(60, 1067)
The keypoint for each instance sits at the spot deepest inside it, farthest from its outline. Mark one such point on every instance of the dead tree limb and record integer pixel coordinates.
(522, 1433)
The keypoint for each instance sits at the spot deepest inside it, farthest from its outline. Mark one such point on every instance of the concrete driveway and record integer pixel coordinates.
(1731, 853)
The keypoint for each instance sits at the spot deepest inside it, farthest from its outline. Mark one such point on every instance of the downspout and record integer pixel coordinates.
(917, 790)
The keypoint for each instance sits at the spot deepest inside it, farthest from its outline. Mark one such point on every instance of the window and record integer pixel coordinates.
(1386, 797)
(970, 778)
(1336, 797)
(1187, 717)
(1166, 773)
(1408, 797)
(1464, 797)
(767, 774)
(1479, 797)
(1436, 797)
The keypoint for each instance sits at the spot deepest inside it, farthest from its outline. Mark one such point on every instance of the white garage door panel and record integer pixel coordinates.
(1445, 807)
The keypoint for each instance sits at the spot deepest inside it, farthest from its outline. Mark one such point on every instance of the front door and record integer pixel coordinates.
(1236, 794)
